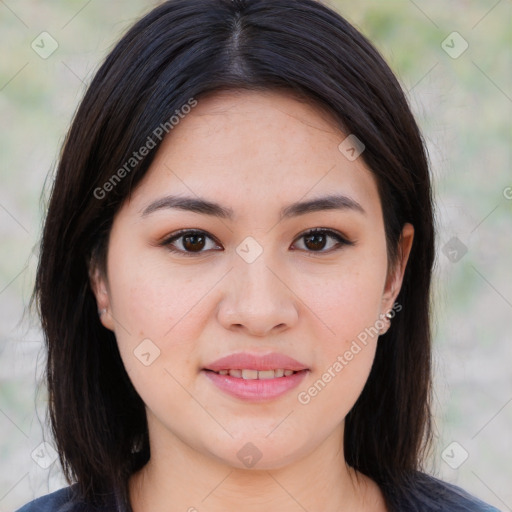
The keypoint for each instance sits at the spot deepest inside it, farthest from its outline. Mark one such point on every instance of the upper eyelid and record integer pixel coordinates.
(182, 232)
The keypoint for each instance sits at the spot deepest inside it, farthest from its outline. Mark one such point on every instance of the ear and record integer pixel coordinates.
(396, 273)
(100, 289)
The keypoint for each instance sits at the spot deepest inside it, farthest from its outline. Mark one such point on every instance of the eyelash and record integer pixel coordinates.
(180, 234)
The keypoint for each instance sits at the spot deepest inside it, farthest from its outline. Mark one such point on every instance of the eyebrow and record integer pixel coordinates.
(206, 207)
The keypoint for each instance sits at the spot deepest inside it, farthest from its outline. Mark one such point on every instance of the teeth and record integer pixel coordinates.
(249, 374)
(267, 374)
(255, 374)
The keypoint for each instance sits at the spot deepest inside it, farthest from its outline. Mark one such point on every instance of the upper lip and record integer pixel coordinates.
(247, 361)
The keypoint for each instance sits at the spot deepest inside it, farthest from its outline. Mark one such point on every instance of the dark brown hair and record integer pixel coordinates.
(186, 49)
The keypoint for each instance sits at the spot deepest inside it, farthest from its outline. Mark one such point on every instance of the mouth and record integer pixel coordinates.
(255, 377)
(249, 374)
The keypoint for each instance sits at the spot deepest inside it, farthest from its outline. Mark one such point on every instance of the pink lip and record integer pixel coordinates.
(257, 390)
(244, 360)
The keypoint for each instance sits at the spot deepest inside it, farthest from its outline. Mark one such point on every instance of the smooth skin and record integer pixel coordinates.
(255, 153)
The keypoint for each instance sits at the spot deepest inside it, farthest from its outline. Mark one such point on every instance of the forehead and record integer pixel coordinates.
(240, 146)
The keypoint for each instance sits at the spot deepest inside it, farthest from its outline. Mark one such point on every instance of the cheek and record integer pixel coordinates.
(348, 304)
(154, 297)
(159, 307)
(154, 326)
(348, 298)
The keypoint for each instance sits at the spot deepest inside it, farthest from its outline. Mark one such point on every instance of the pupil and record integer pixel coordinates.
(192, 245)
(317, 245)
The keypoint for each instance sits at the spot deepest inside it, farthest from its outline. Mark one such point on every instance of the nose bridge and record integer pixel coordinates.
(257, 297)
(257, 280)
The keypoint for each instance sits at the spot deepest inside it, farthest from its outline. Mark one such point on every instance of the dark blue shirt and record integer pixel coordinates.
(67, 500)
(431, 495)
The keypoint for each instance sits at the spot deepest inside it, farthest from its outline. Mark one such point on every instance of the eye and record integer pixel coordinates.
(192, 242)
(315, 240)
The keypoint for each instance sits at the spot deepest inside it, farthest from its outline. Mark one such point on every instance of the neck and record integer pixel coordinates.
(185, 479)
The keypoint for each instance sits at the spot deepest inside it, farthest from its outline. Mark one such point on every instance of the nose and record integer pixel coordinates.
(258, 299)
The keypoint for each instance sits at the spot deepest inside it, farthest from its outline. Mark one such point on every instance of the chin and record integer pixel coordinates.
(258, 453)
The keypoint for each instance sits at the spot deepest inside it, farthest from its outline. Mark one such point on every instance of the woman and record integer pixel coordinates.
(235, 271)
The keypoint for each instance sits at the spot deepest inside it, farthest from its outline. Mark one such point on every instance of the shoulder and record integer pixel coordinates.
(63, 500)
(426, 493)
(58, 501)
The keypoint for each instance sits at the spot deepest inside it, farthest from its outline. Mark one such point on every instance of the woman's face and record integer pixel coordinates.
(251, 282)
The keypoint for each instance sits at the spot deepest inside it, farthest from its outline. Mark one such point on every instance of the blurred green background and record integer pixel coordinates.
(463, 104)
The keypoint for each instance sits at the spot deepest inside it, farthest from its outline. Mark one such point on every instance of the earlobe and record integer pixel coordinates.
(395, 277)
(100, 290)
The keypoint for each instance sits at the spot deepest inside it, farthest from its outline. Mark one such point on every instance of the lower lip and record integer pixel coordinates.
(256, 390)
